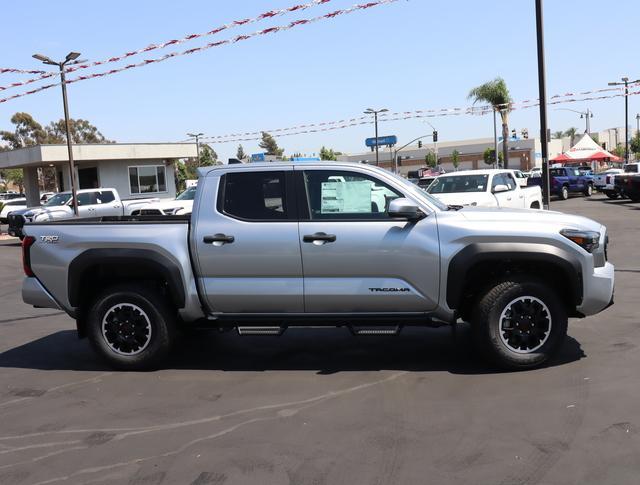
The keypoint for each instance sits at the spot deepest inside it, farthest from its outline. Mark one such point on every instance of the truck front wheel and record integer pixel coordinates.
(564, 192)
(131, 327)
(519, 324)
(588, 190)
(612, 194)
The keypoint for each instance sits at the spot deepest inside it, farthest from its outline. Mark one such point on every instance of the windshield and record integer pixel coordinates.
(188, 194)
(419, 193)
(458, 183)
(58, 199)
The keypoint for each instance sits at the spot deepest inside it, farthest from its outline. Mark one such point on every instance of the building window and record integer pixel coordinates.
(147, 179)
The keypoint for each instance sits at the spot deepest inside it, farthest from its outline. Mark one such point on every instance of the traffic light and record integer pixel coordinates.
(514, 134)
(419, 143)
(435, 136)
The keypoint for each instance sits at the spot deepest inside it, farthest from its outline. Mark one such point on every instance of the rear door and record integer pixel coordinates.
(245, 236)
(107, 204)
(356, 258)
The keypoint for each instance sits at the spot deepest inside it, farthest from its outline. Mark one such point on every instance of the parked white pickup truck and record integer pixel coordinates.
(91, 203)
(485, 188)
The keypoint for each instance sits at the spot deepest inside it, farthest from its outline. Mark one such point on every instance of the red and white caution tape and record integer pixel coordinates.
(26, 93)
(236, 23)
(398, 116)
(6, 70)
(152, 47)
(234, 40)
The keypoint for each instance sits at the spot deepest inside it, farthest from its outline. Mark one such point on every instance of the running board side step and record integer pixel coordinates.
(261, 330)
(375, 330)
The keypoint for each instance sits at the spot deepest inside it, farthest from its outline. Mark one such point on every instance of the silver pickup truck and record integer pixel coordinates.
(274, 245)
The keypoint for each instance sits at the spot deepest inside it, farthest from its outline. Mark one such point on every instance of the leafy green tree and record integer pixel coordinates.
(455, 159)
(497, 95)
(269, 145)
(27, 132)
(15, 176)
(557, 135)
(81, 131)
(489, 156)
(430, 160)
(208, 156)
(240, 154)
(571, 133)
(328, 154)
(634, 146)
(595, 137)
(618, 151)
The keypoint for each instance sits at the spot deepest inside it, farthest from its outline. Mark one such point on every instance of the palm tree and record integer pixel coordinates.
(497, 95)
(571, 133)
(557, 135)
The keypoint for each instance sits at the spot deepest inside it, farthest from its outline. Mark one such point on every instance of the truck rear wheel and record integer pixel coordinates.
(131, 327)
(519, 324)
(612, 194)
(588, 190)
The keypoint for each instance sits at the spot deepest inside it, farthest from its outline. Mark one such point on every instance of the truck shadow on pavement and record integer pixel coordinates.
(322, 350)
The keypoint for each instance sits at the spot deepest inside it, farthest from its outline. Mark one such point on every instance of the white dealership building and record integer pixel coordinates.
(133, 169)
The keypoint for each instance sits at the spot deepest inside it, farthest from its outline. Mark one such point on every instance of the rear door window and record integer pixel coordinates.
(254, 196)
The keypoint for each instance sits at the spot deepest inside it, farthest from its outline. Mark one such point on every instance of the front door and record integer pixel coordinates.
(246, 243)
(356, 258)
(88, 178)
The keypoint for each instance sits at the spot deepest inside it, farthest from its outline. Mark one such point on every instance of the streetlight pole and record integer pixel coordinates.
(395, 153)
(375, 112)
(587, 115)
(72, 56)
(542, 88)
(495, 139)
(197, 137)
(625, 82)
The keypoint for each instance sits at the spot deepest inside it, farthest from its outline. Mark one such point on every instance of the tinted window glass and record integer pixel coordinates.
(347, 195)
(133, 180)
(448, 184)
(105, 196)
(258, 196)
(88, 198)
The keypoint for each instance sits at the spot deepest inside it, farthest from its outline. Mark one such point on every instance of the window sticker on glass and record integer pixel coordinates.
(346, 197)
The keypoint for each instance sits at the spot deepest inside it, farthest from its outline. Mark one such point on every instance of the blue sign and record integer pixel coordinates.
(258, 157)
(381, 141)
(305, 159)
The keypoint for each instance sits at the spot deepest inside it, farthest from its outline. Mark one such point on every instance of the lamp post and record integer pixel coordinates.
(374, 112)
(71, 56)
(542, 89)
(197, 137)
(587, 115)
(625, 82)
(638, 125)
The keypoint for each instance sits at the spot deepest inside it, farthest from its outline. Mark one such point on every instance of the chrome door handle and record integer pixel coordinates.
(319, 236)
(218, 238)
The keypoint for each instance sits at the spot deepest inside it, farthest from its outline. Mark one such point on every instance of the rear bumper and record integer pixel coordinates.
(598, 290)
(33, 293)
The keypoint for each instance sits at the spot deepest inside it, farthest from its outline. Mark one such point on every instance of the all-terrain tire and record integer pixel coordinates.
(489, 321)
(131, 327)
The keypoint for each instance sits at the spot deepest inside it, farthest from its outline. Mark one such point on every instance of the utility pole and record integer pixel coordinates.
(495, 140)
(625, 82)
(72, 56)
(375, 112)
(542, 88)
(435, 140)
(197, 137)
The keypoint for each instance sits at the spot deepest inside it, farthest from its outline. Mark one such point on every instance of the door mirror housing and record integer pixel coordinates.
(405, 209)
(500, 188)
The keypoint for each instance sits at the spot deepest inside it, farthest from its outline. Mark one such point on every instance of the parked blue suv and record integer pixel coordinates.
(564, 181)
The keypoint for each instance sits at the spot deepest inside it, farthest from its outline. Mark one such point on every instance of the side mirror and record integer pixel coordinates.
(500, 188)
(404, 208)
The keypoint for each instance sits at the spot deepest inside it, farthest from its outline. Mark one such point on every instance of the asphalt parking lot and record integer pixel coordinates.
(323, 407)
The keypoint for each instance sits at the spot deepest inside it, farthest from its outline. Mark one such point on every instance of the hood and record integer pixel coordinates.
(529, 216)
(482, 199)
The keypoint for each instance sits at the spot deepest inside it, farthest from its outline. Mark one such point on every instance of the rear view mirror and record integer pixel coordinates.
(500, 188)
(404, 208)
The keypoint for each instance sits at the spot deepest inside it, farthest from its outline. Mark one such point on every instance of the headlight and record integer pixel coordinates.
(172, 211)
(587, 240)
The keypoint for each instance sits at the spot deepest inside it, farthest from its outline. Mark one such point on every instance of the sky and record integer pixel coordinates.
(409, 55)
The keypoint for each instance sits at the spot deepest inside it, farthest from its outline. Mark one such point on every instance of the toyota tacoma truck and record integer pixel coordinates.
(485, 188)
(269, 246)
(91, 203)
